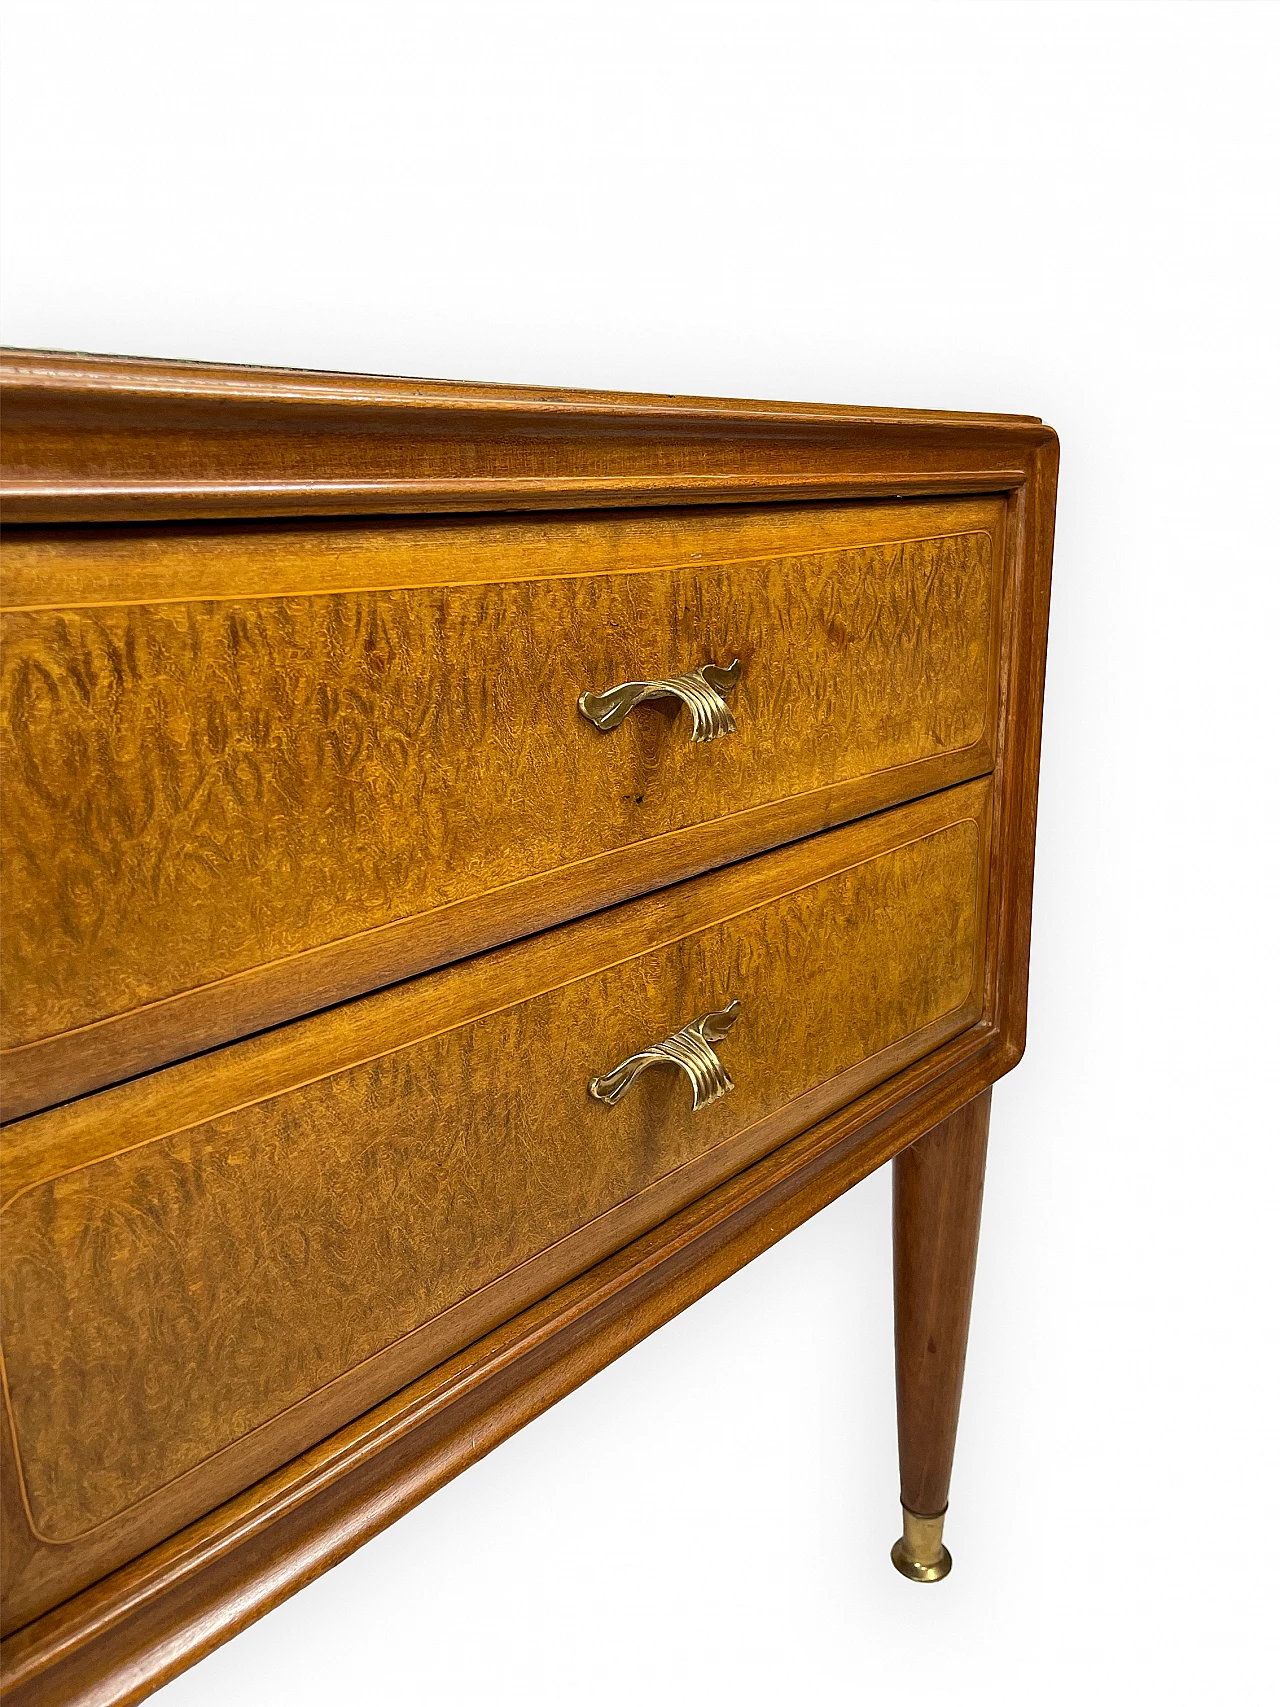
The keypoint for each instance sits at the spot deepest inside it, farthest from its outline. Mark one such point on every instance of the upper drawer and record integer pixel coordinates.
(251, 770)
(205, 1271)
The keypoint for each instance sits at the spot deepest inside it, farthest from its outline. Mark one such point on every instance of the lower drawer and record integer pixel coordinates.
(207, 1270)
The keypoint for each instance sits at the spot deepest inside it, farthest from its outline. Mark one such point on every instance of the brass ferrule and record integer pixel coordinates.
(920, 1554)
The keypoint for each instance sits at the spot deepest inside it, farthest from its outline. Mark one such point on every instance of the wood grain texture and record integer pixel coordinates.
(103, 438)
(101, 441)
(249, 806)
(305, 1253)
(118, 1641)
(937, 1208)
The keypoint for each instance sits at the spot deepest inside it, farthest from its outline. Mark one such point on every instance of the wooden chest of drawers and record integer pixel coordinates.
(402, 1013)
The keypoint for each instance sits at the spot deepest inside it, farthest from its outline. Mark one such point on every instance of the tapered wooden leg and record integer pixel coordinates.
(937, 1204)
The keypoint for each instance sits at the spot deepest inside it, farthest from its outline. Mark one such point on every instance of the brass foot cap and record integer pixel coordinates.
(920, 1555)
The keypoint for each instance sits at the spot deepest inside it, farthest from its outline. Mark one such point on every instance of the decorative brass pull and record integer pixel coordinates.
(701, 690)
(689, 1049)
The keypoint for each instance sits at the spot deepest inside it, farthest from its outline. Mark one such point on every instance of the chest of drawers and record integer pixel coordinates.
(478, 866)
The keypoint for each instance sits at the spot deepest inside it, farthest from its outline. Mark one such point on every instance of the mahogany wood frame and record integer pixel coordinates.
(937, 1205)
(95, 439)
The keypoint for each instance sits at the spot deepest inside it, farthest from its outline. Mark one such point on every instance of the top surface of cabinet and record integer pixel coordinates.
(106, 438)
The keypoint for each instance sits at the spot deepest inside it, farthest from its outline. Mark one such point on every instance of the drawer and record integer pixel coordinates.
(207, 1270)
(250, 770)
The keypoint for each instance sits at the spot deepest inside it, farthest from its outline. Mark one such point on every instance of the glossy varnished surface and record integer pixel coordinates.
(338, 1208)
(250, 772)
(102, 438)
(937, 1208)
(108, 441)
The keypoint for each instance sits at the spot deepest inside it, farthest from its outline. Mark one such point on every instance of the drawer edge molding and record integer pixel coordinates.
(122, 1638)
(57, 1069)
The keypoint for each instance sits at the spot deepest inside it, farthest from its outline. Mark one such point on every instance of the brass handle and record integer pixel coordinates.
(689, 1049)
(701, 690)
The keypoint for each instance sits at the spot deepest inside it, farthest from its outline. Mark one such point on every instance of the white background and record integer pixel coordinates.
(1061, 209)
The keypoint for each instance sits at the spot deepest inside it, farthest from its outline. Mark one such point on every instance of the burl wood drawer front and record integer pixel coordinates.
(251, 770)
(206, 1271)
